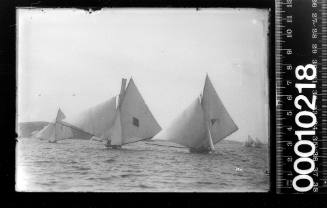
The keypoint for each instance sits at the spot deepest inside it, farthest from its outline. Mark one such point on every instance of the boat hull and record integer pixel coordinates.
(113, 146)
(200, 151)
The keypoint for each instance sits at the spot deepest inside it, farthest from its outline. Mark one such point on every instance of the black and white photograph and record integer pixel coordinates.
(142, 100)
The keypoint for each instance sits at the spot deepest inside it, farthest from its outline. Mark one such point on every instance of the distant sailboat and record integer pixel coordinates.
(45, 132)
(204, 123)
(250, 142)
(55, 131)
(122, 119)
(257, 142)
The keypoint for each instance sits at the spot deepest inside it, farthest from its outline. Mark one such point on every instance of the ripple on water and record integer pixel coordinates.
(128, 175)
(81, 168)
(145, 186)
(110, 160)
(43, 161)
(113, 177)
(205, 182)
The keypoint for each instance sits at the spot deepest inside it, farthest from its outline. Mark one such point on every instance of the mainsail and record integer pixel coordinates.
(137, 121)
(62, 132)
(220, 121)
(96, 120)
(188, 129)
(46, 132)
(204, 123)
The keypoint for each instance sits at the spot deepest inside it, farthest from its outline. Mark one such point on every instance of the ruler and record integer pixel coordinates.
(301, 96)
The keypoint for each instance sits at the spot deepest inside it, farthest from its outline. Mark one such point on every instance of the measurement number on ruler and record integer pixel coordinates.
(306, 120)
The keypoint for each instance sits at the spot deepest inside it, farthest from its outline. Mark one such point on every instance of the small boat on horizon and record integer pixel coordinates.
(250, 142)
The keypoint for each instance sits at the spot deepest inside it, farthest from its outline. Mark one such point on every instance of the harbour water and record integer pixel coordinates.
(88, 166)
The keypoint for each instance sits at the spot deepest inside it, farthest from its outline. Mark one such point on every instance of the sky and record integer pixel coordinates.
(74, 59)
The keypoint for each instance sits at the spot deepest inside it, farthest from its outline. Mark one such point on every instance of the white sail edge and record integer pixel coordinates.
(116, 131)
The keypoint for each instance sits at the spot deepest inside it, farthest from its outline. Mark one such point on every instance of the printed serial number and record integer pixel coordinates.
(305, 119)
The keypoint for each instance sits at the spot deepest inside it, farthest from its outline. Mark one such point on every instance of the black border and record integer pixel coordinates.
(8, 74)
(95, 5)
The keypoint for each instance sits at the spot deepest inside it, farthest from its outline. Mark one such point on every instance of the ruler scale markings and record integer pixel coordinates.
(300, 48)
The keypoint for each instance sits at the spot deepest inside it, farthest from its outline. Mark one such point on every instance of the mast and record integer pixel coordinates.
(116, 129)
(206, 113)
(59, 130)
(55, 132)
(59, 116)
(212, 147)
(122, 92)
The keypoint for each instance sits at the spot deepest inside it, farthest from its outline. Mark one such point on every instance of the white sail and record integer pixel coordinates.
(204, 123)
(137, 121)
(122, 119)
(55, 131)
(116, 131)
(62, 132)
(188, 129)
(77, 132)
(249, 142)
(122, 92)
(60, 115)
(46, 132)
(96, 120)
(221, 123)
(257, 142)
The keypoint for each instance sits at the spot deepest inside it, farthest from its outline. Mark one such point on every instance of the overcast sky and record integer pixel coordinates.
(71, 59)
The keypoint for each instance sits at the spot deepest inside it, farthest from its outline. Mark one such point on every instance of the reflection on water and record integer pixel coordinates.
(77, 165)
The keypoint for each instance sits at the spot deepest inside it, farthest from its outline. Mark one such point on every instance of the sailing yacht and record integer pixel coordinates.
(121, 120)
(202, 124)
(55, 131)
(257, 143)
(250, 142)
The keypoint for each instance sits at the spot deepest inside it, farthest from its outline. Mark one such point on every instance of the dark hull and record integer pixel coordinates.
(200, 151)
(113, 146)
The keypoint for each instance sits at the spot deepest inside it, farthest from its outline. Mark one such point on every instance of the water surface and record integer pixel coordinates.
(88, 166)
